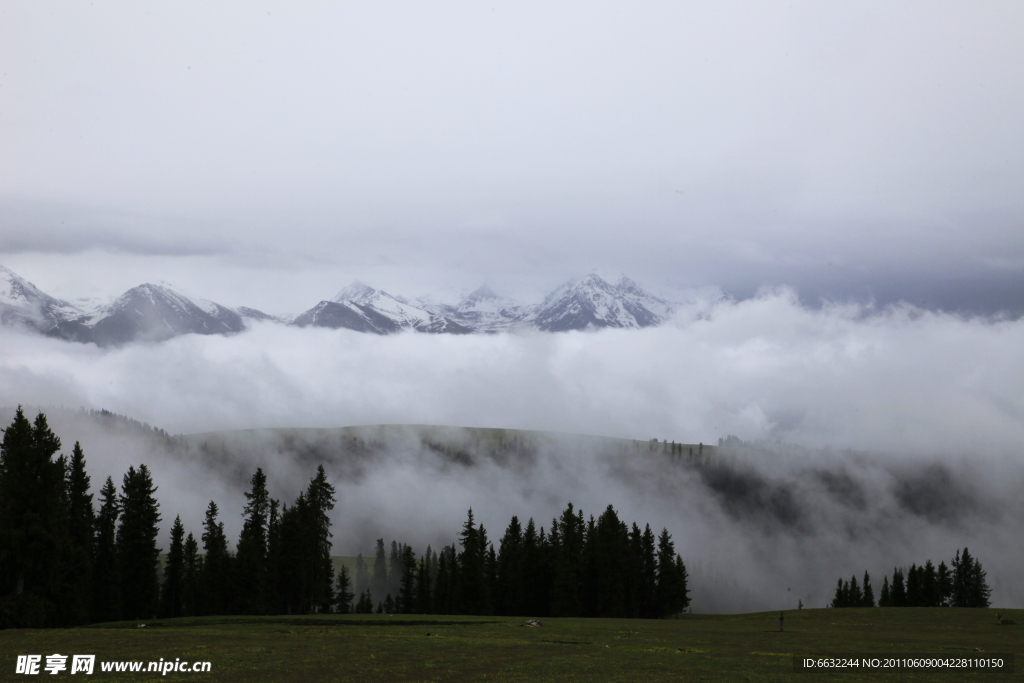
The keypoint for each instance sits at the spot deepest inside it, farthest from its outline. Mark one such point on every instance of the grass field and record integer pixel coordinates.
(745, 647)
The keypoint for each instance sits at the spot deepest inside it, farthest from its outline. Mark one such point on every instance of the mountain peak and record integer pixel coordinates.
(355, 291)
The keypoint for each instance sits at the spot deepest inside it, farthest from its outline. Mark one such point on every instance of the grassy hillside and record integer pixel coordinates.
(381, 648)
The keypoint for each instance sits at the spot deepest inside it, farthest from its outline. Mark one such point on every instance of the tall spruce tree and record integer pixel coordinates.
(138, 555)
(32, 513)
(216, 579)
(424, 594)
(251, 555)
(80, 532)
(672, 590)
(174, 573)
(567, 539)
(897, 589)
(321, 500)
(868, 599)
(406, 603)
(469, 597)
(943, 584)
(191, 581)
(510, 585)
(106, 591)
(343, 596)
(883, 597)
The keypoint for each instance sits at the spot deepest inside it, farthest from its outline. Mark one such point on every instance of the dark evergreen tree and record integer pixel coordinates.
(379, 584)
(78, 563)
(106, 591)
(567, 538)
(469, 596)
(868, 597)
(320, 498)
(914, 596)
(978, 592)
(251, 556)
(672, 590)
(389, 604)
(138, 555)
(897, 590)
(490, 574)
(961, 577)
(174, 573)
(216, 577)
(275, 561)
(191, 582)
(943, 585)
(649, 607)
(32, 529)
(842, 592)
(424, 596)
(365, 603)
(343, 596)
(929, 586)
(883, 598)
(609, 570)
(510, 589)
(406, 602)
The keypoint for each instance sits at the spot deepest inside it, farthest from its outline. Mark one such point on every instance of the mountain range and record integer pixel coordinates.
(156, 312)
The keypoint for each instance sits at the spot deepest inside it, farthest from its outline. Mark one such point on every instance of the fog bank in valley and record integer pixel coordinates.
(910, 425)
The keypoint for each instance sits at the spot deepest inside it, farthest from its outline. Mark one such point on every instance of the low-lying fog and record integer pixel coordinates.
(911, 428)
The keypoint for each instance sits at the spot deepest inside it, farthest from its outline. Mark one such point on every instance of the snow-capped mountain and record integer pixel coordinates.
(594, 303)
(365, 309)
(22, 303)
(145, 313)
(589, 303)
(155, 312)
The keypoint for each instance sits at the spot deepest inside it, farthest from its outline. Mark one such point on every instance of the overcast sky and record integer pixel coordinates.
(266, 154)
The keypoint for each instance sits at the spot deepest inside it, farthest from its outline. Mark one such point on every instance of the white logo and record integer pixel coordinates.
(82, 664)
(28, 664)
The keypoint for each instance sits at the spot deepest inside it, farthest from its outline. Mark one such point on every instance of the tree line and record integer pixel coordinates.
(961, 584)
(65, 562)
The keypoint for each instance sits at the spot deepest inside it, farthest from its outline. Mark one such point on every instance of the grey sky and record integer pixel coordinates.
(265, 154)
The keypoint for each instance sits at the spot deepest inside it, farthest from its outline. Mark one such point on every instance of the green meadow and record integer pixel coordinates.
(747, 647)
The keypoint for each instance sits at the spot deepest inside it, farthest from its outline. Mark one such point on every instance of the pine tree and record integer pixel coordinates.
(854, 597)
(978, 590)
(943, 585)
(469, 591)
(961, 577)
(567, 538)
(406, 602)
(81, 524)
(839, 599)
(343, 596)
(174, 573)
(883, 598)
(216, 565)
(389, 604)
(671, 585)
(32, 512)
(509, 590)
(929, 587)
(138, 555)
(868, 599)
(379, 584)
(424, 598)
(320, 499)
(106, 591)
(649, 606)
(914, 587)
(897, 591)
(251, 556)
(191, 586)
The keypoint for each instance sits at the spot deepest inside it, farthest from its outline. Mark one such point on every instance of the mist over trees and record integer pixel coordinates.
(64, 563)
(962, 584)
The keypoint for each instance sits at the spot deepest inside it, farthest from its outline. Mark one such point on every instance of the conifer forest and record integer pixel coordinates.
(67, 559)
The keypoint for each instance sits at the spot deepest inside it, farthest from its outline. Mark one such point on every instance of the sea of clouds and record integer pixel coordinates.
(910, 426)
